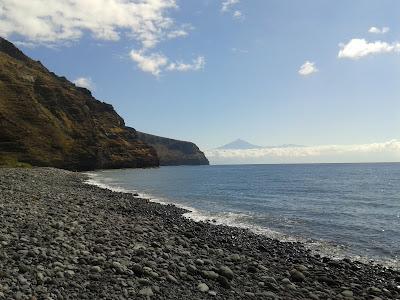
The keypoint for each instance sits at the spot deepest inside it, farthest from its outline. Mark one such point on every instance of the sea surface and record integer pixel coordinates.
(340, 210)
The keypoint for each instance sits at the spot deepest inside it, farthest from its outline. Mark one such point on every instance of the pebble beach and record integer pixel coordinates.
(61, 238)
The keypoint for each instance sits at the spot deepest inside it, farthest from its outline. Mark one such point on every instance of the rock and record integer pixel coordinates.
(301, 268)
(20, 296)
(22, 280)
(235, 258)
(199, 262)
(226, 272)
(224, 282)
(40, 277)
(297, 276)
(269, 295)
(347, 293)
(270, 279)
(192, 269)
(147, 291)
(202, 287)
(327, 280)
(286, 281)
(119, 268)
(95, 269)
(137, 269)
(144, 281)
(210, 275)
(252, 269)
(374, 291)
(172, 278)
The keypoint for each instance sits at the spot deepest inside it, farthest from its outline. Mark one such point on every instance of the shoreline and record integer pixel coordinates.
(63, 238)
(323, 248)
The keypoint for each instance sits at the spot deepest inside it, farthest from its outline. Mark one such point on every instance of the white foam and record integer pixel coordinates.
(231, 219)
(237, 219)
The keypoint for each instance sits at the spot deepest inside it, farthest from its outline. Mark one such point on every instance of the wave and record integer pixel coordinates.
(246, 221)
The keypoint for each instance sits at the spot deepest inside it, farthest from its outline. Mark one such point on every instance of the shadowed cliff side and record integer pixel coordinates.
(45, 120)
(173, 152)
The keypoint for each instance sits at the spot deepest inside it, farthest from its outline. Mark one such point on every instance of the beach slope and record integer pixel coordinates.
(63, 239)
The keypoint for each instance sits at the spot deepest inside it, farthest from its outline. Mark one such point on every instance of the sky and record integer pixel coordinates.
(307, 72)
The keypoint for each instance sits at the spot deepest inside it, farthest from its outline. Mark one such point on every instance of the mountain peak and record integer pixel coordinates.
(11, 50)
(239, 144)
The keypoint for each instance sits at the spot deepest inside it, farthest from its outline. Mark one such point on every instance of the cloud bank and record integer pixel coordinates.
(53, 22)
(50, 21)
(375, 152)
(359, 48)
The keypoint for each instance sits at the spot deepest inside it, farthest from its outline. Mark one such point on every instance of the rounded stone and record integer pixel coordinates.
(226, 272)
(202, 287)
(297, 276)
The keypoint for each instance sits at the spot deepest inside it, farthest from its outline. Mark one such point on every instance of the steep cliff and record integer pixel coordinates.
(174, 152)
(45, 120)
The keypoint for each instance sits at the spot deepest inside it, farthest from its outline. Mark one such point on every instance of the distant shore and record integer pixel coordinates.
(63, 239)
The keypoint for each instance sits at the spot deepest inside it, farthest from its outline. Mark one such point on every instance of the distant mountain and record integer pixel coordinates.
(239, 145)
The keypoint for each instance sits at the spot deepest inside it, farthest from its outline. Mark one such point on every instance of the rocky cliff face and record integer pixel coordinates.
(45, 120)
(174, 152)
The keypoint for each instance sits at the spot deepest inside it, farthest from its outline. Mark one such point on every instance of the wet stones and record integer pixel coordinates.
(226, 272)
(202, 287)
(96, 244)
(297, 276)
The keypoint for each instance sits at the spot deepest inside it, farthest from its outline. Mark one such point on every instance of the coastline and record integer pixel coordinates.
(63, 238)
(322, 247)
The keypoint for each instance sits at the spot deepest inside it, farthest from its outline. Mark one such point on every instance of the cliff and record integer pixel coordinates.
(174, 152)
(45, 120)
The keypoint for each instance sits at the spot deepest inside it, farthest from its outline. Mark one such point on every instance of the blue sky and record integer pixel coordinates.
(230, 72)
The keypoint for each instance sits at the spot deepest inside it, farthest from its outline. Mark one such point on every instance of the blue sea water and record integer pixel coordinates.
(350, 210)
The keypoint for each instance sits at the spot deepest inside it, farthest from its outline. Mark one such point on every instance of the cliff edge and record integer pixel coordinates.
(46, 120)
(173, 152)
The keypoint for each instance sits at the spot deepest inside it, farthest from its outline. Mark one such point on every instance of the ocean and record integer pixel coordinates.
(339, 210)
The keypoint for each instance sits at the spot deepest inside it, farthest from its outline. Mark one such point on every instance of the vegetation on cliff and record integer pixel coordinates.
(46, 120)
(173, 152)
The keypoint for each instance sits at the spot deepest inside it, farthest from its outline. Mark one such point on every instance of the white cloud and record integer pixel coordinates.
(85, 82)
(52, 21)
(196, 65)
(156, 63)
(238, 14)
(386, 151)
(358, 48)
(308, 68)
(228, 4)
(152, 63)
(177, 33)
(377, 30)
